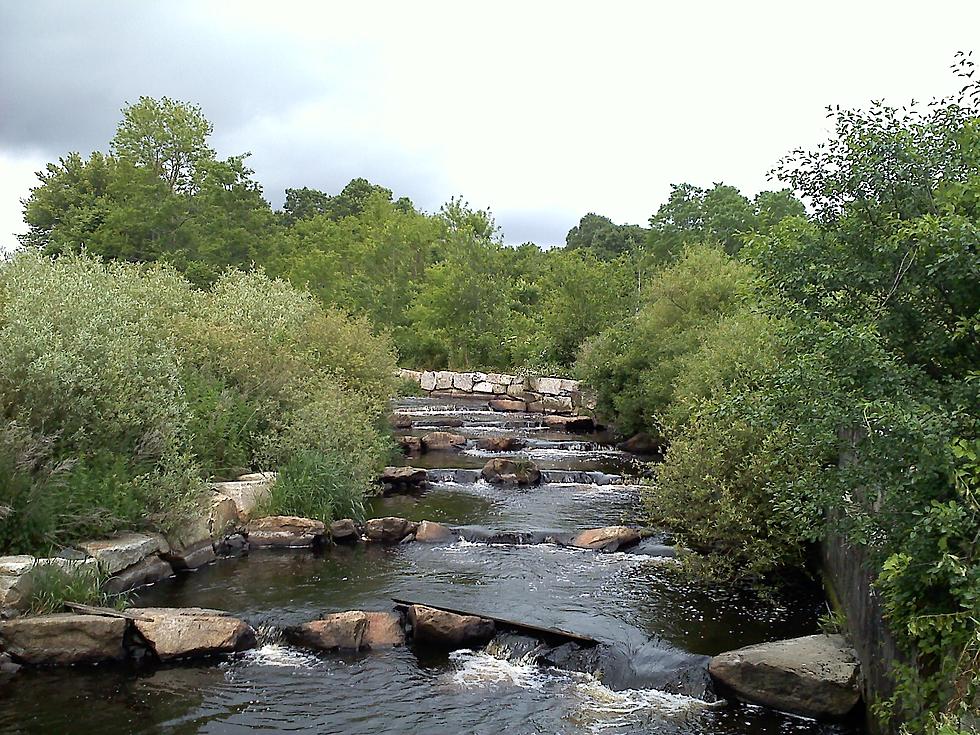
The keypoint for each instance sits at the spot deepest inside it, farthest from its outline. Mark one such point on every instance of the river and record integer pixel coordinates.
(657, 627)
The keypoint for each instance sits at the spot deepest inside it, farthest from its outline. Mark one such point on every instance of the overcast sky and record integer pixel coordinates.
(541, 111)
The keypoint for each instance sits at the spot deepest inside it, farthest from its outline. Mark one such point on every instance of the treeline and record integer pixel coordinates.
(443, 285)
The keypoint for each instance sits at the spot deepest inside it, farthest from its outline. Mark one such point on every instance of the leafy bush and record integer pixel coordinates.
(125, 389)
(633, 366)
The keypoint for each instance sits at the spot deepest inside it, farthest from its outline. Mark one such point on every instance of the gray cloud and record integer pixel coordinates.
(66, 69)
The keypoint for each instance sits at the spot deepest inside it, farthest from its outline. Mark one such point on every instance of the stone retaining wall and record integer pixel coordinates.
(541, 394)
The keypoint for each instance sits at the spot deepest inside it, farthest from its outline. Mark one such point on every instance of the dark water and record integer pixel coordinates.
(656, 626)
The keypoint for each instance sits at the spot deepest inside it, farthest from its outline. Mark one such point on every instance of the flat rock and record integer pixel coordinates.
(448, 630)
(499, 443)
(404, 477)
(115, 554)
(444, 380)
(284, 532)
(610, 538)
(510, 405)
(443, 440)
(463, 382)
(428, 381)
(384, 630)
(580, 424)
(63, 638)
(149, 570)
(389, 530)
(181, 632)
(430, 532)
(344, 631)
(815, 676)
(511, 472)
(551, 404)
(343, 531)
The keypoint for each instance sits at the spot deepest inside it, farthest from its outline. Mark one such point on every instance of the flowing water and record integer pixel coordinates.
(656, 627)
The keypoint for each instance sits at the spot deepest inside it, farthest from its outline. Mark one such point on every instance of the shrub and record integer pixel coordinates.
(125, 389)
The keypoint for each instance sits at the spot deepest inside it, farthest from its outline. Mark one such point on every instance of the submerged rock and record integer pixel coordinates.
(610, 538)
(443, 440)
(178, 632)
(508, 471)
(579, 424)
(448, 630)
(64, 638)
(284, 532)
(389, 530)
(400, 421)
(430, 532)
(643, 443)
(149, 570)
(815, 676)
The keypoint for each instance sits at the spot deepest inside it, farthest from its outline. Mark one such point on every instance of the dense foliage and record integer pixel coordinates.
(123, 389)
(822, 380)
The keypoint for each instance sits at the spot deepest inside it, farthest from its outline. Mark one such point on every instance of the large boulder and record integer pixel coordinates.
(248, 492)
(444, 380)
(428, 381)
(579, 424)
(384, 629)
(389, 530)
(344, 531)
(149, 570)
(463, 382)
(430, 532)
(350, 631)
(64, 638)
(443, 440)
(15, 581)
(191, 545)
(510, 472)
(284, 532)
(401, 479)
(510, 405)
(815, 676)
(448, 630)
(610, 538)
(180, 632)
(115, 554)
(343, 631)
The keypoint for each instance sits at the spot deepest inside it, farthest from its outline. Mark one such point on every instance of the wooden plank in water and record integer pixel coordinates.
(537, 630)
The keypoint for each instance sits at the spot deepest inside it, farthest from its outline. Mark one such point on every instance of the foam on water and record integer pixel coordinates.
(280, 655)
